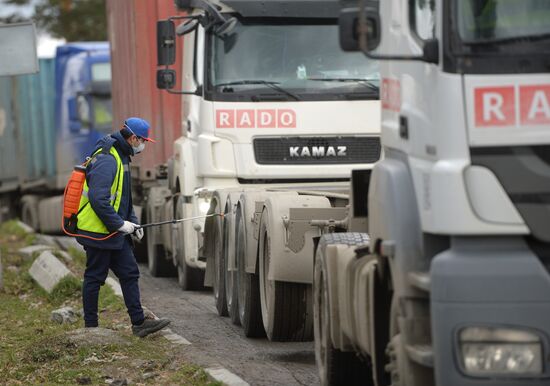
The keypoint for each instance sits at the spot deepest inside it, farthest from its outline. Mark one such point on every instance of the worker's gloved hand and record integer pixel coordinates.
(138, 234)
(128, 227)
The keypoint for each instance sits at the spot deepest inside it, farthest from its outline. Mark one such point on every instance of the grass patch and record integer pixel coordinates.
(13, 228)
(35, 350)
(68, 288)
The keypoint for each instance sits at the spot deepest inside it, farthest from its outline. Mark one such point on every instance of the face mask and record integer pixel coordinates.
(138, 149)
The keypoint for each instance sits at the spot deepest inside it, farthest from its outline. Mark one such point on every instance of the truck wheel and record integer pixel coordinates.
(219, 267)
(250, 311)
(231, 294)
(29, 211)
(189, 278)
(286, 307)
(335, 367)
(159, 266)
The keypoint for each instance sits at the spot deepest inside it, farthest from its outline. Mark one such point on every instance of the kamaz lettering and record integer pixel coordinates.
(318, 151)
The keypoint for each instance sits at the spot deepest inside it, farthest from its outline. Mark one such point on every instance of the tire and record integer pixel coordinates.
(189, 278)
(219, 266)
(231, 292)
(250, 310)
(159, 266)
(29, 212)
(286, 307)
(335, 367)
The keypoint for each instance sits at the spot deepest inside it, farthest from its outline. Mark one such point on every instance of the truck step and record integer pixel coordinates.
(421, 354)
(420, 280)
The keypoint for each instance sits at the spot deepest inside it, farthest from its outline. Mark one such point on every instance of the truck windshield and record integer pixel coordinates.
(299, 61)
(503, 21)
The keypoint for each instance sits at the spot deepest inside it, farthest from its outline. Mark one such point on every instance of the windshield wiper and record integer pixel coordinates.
(273, 85)
(510, 39)
(364, 82)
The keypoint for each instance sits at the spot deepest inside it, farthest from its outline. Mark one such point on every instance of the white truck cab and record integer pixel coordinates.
(275, 117)
(451, 286)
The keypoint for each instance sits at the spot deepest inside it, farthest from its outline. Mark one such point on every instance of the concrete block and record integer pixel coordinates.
(28, 252)
(225, 377)
(25, 227)
(67, 242)
(47, 270)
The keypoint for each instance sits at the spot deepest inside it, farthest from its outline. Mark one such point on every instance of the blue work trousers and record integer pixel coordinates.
(123, 263)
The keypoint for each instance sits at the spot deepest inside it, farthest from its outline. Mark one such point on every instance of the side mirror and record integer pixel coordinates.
(166, 42)
(186, 27)
(226, 27)
(166, 79)
(368, 30)
(347, 23)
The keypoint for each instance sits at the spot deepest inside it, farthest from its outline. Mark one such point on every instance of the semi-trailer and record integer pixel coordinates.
(49, 122)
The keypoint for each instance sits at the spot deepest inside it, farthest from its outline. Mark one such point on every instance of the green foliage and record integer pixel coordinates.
(74, 20)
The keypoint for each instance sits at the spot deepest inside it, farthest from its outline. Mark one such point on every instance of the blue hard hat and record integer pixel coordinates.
(140, 127)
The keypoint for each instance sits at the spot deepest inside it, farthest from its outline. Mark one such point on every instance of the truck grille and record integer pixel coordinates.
(316, 150)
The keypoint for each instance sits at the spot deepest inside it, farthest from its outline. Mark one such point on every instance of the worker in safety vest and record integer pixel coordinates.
(106, 208)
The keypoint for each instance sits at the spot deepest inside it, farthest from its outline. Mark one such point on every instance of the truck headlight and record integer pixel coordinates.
(500, 351)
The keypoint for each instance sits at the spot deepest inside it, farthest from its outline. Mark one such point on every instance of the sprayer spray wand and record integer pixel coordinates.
(154, 224)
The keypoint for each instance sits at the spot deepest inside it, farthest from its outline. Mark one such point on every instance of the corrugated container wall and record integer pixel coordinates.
(132, 34)
(27, 129)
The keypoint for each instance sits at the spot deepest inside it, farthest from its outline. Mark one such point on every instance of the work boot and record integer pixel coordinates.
(149, 326)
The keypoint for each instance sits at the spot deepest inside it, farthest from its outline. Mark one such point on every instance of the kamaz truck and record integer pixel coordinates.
(274, 117)
(49, 122)
(449, 284)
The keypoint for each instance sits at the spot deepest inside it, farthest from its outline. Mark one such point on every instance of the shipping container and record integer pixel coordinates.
(27, 129)
(132, 34)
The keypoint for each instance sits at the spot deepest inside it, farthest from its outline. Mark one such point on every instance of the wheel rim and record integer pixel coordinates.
(241, 266)
(320, 310)
(227, 272)
(217, 257)
(266, 284)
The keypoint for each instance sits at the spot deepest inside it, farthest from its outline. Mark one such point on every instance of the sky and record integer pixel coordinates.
(46, 43)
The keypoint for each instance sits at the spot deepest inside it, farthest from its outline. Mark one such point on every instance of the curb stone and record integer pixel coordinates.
(225, 376)
(47, 270)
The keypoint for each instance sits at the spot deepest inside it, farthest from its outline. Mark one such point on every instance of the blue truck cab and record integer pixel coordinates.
(49, 122)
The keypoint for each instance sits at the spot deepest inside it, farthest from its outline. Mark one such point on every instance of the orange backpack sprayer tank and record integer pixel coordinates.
(71, 198)
(71, 203)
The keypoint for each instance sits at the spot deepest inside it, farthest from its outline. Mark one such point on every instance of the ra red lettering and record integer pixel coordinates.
(494, 106)
(535, 104)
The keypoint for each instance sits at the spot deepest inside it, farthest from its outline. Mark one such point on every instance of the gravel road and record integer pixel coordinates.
(217, 342)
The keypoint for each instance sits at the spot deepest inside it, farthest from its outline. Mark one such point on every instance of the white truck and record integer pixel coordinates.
(275, 116)
(450, 283)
